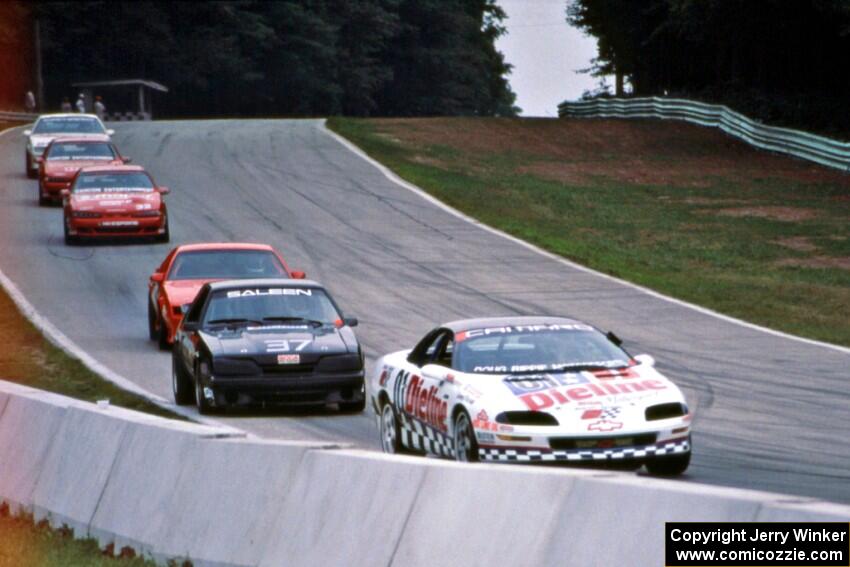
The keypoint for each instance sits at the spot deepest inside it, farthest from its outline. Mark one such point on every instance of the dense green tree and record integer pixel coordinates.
(286, 57)
(784, 60)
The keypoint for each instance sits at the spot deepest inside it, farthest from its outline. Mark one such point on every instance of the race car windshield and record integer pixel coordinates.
(271, 307)
(131, 182)
(569, 349)
(226, 265)
(68, 126)
(86, 151)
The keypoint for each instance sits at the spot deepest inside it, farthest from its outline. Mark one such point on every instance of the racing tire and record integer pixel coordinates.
(353, 407)
(166, 236)
(669, 465)
(204, 407)
(181, 383)
(153, 333)
(162, 336)
(42, 200)
(69, 239)
(30, 173)
(466, 446)
(390, 431)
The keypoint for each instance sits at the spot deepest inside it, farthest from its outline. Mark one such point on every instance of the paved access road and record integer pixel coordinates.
(772, 412)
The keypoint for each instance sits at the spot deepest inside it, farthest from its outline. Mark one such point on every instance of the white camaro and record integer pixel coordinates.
(529, 389)
(50, 126)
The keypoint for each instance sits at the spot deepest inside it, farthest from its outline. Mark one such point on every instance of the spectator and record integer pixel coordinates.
(29, 102)
(81, 103)
(99, 107)
(66, 105)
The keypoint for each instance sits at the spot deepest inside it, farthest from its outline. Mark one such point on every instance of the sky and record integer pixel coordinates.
(546, 52)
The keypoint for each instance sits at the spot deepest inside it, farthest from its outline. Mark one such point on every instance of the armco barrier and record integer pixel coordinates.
(819, 149)
(174, 489)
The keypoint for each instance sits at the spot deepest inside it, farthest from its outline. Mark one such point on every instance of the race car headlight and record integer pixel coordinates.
(85, 215)
(340, 363)
(665, 411)
(147, 214)
(526, 418)
(235, 366)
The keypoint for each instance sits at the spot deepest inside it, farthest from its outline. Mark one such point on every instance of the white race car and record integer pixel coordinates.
(529, 389)
(50, 126)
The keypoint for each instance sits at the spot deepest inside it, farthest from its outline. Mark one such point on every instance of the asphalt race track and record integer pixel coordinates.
(771, 411)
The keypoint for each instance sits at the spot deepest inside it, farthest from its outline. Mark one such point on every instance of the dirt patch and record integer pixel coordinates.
(798, 243)
(785, 214)
(575, 150)
(818, 262)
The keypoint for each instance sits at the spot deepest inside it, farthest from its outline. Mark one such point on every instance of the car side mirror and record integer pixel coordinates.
(163, 190)
(351, 321)
(64, 193)
(646, 359)
(190, 326)
(614, 338)
(157, 277)
(126, 159)
(110, 132)
(297, 275)
(26, 133)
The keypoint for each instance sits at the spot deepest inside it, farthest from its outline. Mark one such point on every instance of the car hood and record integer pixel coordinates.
(68, 168)
(264, 343)
(593, 401)
(116, 202)
(181, 292)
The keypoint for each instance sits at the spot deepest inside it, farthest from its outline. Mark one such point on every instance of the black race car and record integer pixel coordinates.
(266, 341)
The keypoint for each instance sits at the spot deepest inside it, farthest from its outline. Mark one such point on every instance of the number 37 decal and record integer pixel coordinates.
(287, 345)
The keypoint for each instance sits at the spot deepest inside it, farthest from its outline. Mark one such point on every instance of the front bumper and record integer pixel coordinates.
(310, 389)
(112, 227)
(635, 453)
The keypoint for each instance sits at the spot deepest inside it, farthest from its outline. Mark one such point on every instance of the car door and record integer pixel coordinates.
(426, 395)
(187, 338)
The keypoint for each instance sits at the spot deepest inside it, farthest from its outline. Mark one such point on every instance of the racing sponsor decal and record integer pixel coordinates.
(519, 385)
(119, 223)
(563, 395)
(286, 345)
(289, 359)
(613, 373)
(509, 329)
(417, 400)
(269, 291)
(604, 413)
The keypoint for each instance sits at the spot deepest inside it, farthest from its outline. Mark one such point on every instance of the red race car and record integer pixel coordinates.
(114, 201)
(65, 156)
(187, 268)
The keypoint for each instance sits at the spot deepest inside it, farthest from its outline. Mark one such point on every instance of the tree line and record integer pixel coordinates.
(785, 61)
(285, 57)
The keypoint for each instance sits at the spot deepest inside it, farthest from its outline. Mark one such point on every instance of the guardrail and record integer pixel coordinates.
(171, 489)
(819, 149)
(23, 116)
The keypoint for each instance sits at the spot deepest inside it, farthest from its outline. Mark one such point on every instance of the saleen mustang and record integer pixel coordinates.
(176, 282)
(64, 157)
(49, 126)
(266, 341)
(114, 201)
(528, 389)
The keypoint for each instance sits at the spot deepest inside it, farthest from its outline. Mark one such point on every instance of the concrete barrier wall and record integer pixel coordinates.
(174, 489)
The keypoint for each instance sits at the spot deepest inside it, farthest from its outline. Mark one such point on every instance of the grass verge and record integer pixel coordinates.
(678, 208)
(24, 544)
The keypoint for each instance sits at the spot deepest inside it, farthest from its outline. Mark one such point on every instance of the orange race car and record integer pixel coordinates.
(65, 156)
(176, 281)
(114, 201)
